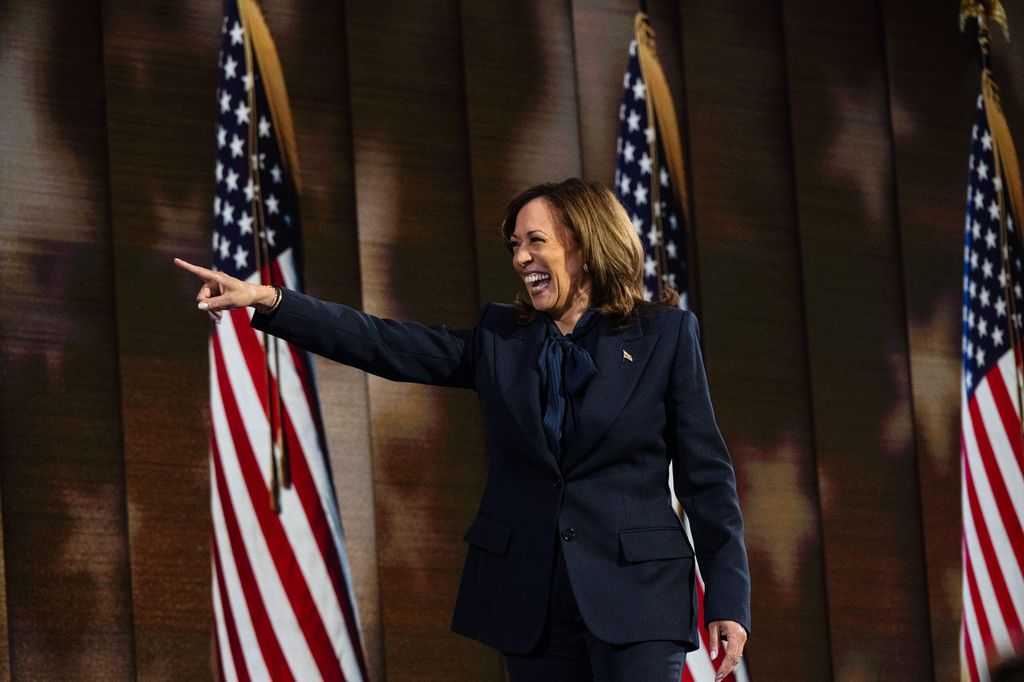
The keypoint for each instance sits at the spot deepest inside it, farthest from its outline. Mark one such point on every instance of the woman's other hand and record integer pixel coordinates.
(221, 291)
(732, 637)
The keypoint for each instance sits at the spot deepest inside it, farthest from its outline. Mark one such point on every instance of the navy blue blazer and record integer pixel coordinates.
(609, 505)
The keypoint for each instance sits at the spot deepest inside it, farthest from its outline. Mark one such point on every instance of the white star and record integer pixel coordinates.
(220, 171)
(640, 195)
(638, 224)
(624, 185)
(982, 327)
(986, 141)
(275, 173)
(974, 261)
(241, 257)
(993, 210)
(229, 68)
(225, 103)
(670, 247)
(650, 267)
(633, 120)
(1016, 290)
(974, 132)
(270, 237)
(997, 337)
(663, 177)
(628, 152)
(227, 213)
(673, 221)
(264, 127)
(222, 137)
(225, 247)
(245, 223)
(236, 146)
(216, 206)
(649, 134)
(639, 90)
(647, 294)
(982, 171)
(969, 377)
(972, 291)
(652, 235)
(645, 164)
(236, 34)
(979, 356)
(241, 114)
(250, 190)
(976, 228)
(1000, 307)
(979, 200)
(632, 48)
(671, 279)
(986, 267)
(232, 181)
(271, 203)
(990, 241)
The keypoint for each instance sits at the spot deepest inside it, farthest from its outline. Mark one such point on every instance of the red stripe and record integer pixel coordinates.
(281, 551)
(969, 662)
(308, 495)
(989, 555)
(241, 671)
(979, 608)
(277, 666)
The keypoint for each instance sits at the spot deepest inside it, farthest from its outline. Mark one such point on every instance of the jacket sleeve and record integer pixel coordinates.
(706, 484)
(400, 351)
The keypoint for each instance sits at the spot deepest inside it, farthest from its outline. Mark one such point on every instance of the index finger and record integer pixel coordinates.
(194, 269)
(731, 660)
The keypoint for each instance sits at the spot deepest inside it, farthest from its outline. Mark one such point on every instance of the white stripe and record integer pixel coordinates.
(227, 661)
(741, 673)
(1008, 369)
(1008, 561)
(700, 665)
(977, 644)
(986, 592)
(286, 261)
(292, 515)
(247, 640)
(279, 610)
(1006, 458)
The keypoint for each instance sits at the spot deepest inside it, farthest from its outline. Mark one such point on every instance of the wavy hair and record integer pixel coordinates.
(612, 251)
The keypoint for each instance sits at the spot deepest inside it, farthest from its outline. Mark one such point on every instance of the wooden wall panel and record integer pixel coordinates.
(68, 589)
(311, 42)
(933, 87)
(857, 343)
(160, 60)
(418, 261)
(749, 296)
(522, 117)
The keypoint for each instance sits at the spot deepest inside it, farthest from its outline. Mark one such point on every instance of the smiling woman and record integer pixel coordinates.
(588, 393)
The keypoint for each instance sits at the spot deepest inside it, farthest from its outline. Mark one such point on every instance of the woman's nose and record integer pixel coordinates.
(521, 258)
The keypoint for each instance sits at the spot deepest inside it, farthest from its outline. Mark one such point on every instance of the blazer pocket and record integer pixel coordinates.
(489, 535)
(648, 544)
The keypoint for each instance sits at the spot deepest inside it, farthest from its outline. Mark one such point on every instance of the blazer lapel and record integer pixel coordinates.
(620, 359)
(518, 379)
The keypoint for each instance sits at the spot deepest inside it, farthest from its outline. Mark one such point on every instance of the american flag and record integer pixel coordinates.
(657, 216)
(650, 203)
(992, 543)
(282, 593)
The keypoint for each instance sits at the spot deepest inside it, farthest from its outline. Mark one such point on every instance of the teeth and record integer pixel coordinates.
(535, 277)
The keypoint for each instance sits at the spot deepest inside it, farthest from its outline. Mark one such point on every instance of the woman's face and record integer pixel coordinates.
(545, 254)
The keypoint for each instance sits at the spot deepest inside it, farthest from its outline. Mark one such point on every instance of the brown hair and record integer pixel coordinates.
(611, 248)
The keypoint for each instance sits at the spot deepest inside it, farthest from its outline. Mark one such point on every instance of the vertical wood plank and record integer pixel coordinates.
(857, 341)
(752, 315)
(68, 587)
(161, 75)
(522, 117)
(418, 261)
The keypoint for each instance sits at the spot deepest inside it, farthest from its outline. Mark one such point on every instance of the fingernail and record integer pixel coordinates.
(203, 306)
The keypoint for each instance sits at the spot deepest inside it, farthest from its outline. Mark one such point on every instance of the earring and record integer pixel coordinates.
(585, 268)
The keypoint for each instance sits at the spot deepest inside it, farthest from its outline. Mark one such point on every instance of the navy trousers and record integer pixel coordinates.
(568, 652)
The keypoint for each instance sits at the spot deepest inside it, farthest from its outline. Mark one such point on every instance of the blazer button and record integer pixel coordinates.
(557, 483)
(568, 534)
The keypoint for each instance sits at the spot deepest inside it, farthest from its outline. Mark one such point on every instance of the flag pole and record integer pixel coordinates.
(1007, 168)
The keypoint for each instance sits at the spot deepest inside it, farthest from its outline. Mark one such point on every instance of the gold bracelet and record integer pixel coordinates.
(273, 306)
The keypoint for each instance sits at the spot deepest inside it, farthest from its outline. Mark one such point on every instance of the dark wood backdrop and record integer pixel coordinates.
(827, 148)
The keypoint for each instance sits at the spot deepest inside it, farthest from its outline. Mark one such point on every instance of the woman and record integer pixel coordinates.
(577, 566)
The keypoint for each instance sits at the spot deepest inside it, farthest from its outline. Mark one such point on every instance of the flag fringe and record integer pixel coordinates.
(273, 83)
(665, 121)
(1006, 153)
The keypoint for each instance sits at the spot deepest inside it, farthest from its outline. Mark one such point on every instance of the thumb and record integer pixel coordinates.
(713, 640)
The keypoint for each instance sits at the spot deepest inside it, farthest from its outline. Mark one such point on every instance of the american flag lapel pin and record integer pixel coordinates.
(626, 357)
